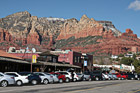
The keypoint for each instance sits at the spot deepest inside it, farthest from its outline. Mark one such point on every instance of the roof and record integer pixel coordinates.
(58, 64)
(48, 53)
(4, 54)
(17, 61)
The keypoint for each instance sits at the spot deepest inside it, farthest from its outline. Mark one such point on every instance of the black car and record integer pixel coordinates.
(96, 75)
(33, 78)
(130, 76)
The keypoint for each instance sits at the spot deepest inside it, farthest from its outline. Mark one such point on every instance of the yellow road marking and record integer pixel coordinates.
(134, 91)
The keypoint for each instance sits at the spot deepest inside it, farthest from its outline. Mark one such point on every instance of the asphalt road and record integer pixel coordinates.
(116, 86)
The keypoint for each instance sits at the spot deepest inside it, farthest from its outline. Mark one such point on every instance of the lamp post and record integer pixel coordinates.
(82, 62)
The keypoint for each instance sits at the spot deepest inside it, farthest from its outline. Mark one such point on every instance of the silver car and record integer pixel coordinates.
(6, 80)
(55, 79)
(44, 77)
(86, 76)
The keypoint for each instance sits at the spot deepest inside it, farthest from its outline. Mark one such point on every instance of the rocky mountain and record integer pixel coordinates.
(86, 35)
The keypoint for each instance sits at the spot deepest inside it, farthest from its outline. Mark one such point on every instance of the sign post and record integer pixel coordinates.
(85, 63)
(33, 60)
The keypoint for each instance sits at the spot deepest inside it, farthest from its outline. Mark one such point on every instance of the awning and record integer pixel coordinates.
(58, 64)
(17, 61)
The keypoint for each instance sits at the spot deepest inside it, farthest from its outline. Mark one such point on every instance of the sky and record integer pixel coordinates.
(123, 13)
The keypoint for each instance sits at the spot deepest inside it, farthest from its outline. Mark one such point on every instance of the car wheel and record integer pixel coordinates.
(84, 79)
(119, 78)
(67, 80)
(45, 81)
(132, 78)
(19, 82)
(75, 80)
(34, 82)
(97, 78)
(60, 80)
(89, 79)
(138, 78)
(4, 83)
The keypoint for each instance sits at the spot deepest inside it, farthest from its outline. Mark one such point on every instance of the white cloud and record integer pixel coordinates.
(134, 5)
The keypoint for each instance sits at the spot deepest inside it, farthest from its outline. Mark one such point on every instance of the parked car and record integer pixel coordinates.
(111, 77)
(33, 78)
(55, 78)
(6, 80)
(44, 77)
(61, 77)
(96, 75)
(121, 76)
(114, 76)
(67, 75)
(130, 76)
(80, 76)
(19, 79)
(73, 74)
(86, 76)
(106, 76)
(137, 76)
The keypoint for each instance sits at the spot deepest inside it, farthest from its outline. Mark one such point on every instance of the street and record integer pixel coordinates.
(116, 86)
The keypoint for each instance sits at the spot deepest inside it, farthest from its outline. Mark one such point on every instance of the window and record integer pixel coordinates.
(49, 58)
(75, 59)
(12, 74)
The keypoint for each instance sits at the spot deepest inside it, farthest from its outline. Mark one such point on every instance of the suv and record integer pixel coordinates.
(130, 76)
(6, 80)
(96, 75)
(67, 75)
(20, 80)
(33, 78)
(44, 77)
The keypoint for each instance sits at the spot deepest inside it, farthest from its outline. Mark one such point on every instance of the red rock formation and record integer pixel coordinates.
(33, 38)
(129, 33)
(111, 44)
(5, 35)
(85, 27)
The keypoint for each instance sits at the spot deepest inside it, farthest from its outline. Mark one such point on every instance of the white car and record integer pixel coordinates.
(76, 78)
(19, 79)
(45, 78)
(105, 76)
(67, 75)
(55, 78)
(6, 80)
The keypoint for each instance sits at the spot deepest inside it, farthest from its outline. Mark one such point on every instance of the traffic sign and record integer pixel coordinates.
(33, 58)
(85, 63)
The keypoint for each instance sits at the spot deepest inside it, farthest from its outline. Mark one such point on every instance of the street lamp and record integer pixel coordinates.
(82, 57)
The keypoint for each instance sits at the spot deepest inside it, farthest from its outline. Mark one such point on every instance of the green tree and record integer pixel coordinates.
(127, 61)
(138, 69)
(134, 56)
(136, 63)
(121, 55)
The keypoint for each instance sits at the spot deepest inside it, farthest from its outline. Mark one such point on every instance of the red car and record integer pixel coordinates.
(121, 76)
(61, 77)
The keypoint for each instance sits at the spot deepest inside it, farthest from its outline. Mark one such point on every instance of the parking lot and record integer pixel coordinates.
(113, 86)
